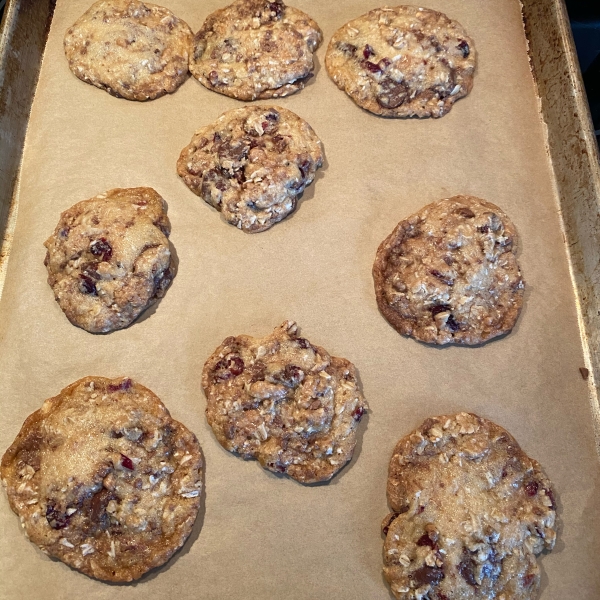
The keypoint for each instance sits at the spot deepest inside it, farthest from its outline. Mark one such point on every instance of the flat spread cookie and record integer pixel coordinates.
(449, 273)
(103, 479)
(284, 401)
(255, 49)
(252, 164)
(470, 512)
(403, 61)
(129, 48)
(109, 259)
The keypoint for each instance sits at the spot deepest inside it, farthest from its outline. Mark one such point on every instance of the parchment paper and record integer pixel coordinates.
(259, 535)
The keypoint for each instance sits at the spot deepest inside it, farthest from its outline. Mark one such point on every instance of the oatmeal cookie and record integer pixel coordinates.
(255, 49)
(109, 259)
(252, 164)
(103, 479)
(402, 62)
(284, 401)
(470, 512)
(130, 49)
(449, 273)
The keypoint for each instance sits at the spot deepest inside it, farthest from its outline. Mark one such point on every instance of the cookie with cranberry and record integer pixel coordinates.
(284, 401)
(109, 258)
(252, 164)
(470, 512)
(449, 273)
(403, 61)
(255, 49)
(104, 479)
(129, 48)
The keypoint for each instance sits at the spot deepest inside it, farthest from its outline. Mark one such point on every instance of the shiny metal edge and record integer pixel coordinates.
(575, 159)
(23, 35)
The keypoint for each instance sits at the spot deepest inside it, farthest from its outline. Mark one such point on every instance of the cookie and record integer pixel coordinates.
(130, 49)
(449, 273)
(252, 164)
(470, 512)
(403, 61)
(255, 49)
(103, 479)
(109, 259)
(285, 402)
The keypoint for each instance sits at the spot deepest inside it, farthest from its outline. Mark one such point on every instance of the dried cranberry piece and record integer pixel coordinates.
(464, 48)
(484, 228)
(420, 509)
(441, 277)
(357, 413)
(101, 247)
(303, 343)
(367, 64)
(122, 386)
(531, 489)
(425, 540)
(347, 49)
(452, 324)
(277, 8)
(391, 519)
(368, 52)
(304, 167)
(126, 462)
(213, 78)
(228, 367)
(56, 519)
(384, 63)
(291, 376)
(440, 308)
(87, 285)
(528, 579)
(427, 575)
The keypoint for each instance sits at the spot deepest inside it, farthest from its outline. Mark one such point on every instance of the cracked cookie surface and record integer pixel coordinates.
(252, 164)
(285, 402)
(109, 259)
(130, 49)
(470, 513)
(104, 479)
(255, 49)
(403, 61)
(449, 273)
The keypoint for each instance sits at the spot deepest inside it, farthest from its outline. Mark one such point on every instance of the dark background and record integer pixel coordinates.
(585, 23)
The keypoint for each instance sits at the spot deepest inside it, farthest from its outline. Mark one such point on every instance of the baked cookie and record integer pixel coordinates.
(285, 402)
(255, 49)
(103, 479)
(470, 512)
(130, 49)
(449, 274)
(252, 164)
(109, 259)
(403, 61)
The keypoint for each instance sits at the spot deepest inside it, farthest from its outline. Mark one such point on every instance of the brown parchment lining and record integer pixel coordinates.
(263, 536)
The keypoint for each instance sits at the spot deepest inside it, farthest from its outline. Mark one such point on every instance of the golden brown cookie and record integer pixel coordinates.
(402, 61)
(449, 273)
(285, 402)
(255, 49)
(109, 259)
(470, 511)
(103, 479)
(131, 49)
(252, 164)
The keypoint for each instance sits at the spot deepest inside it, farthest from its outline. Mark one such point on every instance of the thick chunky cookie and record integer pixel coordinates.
(402, 62)
(109, 259)
(449, 274)
(470, 512)
(285, 402)
(103, 479)
(130, 49)
(255, 49)
(251, 164)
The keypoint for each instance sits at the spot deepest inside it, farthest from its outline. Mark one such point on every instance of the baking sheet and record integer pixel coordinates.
(262, 536)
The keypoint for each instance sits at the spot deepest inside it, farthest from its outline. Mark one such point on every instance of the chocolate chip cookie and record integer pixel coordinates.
(403, 61)
(255, 49)
(129, 48)
(284, 401)
(252, 164)
(449, 273)
(470, 512)
(103, 479)
(109, 259)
